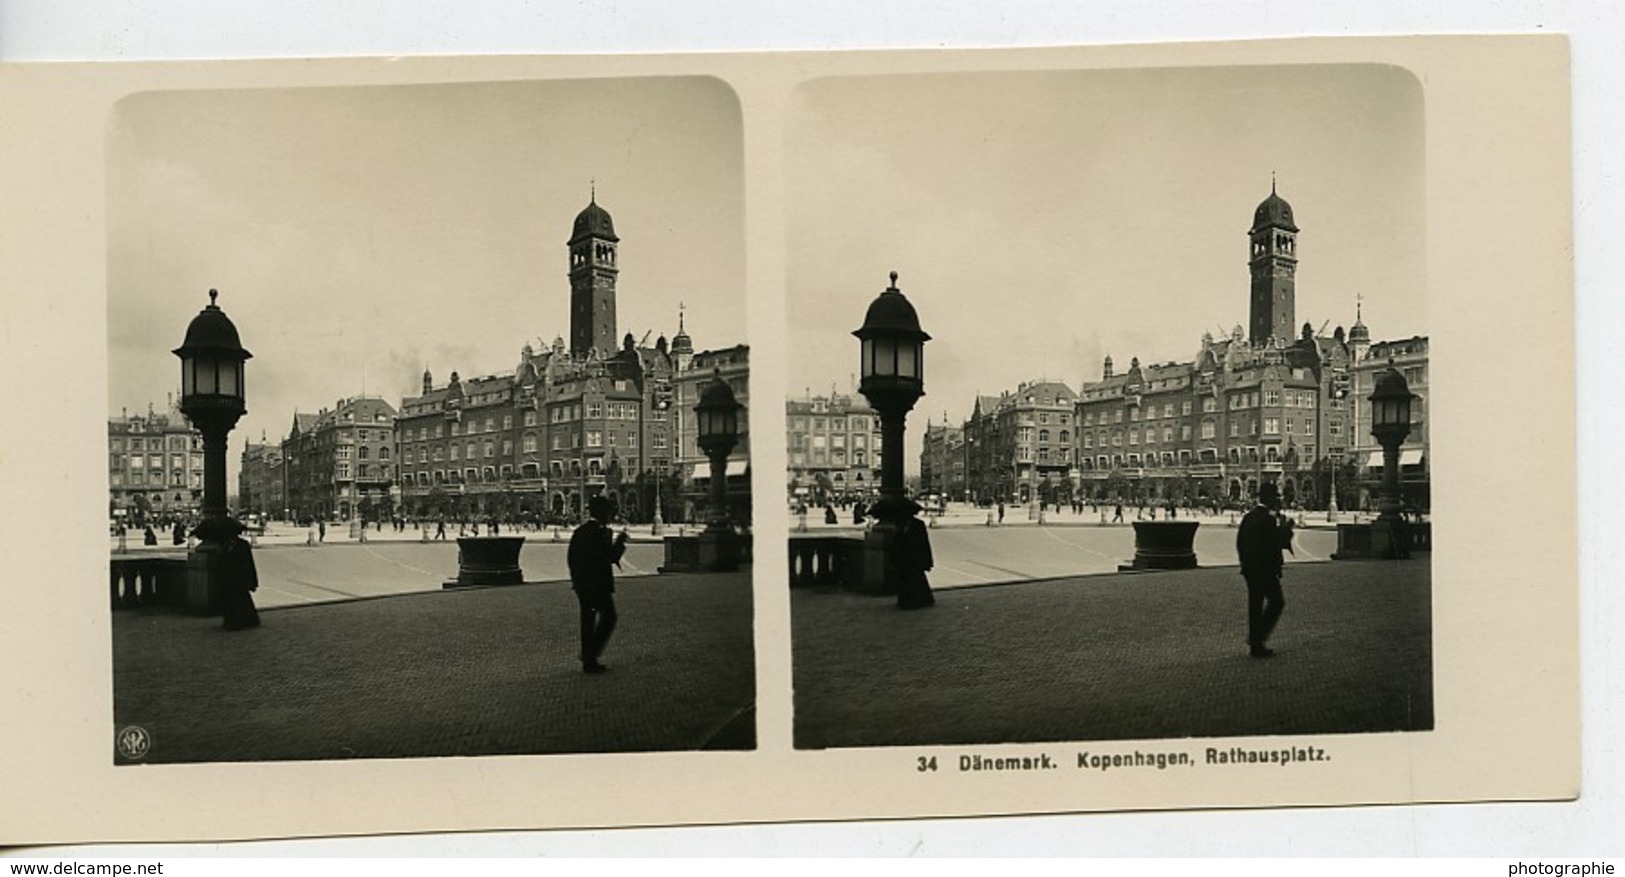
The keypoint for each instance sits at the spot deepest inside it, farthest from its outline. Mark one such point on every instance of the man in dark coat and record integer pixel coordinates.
(910, 561)
(1262, 536)
(594, 551)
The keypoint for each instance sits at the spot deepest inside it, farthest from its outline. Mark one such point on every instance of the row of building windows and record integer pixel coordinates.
(837, 441)
(822, 424)
(1271, 426)
(341, 470)
(1269, 454)
(530, 445)
(157, 476)
(559, 469)
(156, 443)
(152, 461)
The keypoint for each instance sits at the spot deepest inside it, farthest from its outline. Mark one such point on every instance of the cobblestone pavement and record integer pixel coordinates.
(468, 672)
(1116, 657)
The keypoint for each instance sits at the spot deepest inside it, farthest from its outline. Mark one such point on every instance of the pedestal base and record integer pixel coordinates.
(1382, 539)
(488, 560)
(707, 551)
(719, 550)
(201, 594)
(876, 543)
(1163, 545)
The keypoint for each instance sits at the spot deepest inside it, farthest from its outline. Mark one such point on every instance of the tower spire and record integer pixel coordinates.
(592, 191)
(1272, 181)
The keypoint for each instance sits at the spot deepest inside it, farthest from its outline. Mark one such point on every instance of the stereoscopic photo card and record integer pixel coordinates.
(797, 436)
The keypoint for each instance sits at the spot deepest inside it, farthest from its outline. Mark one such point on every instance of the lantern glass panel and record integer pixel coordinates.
(885, 357)
(188, 377)
(228, 378)
(908, 362)
(730, 422)
(208, 383)
(867, 365)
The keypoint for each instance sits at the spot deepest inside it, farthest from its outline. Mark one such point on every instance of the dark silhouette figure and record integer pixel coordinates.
(234, 572)
(440, 529)
(149, 537)
(858, 508)
(1262, 536)
(829, 515)
(321, 531)
(179, 536)
(1117, 516)
(593, 553)
(1001, 511)
(911, 561)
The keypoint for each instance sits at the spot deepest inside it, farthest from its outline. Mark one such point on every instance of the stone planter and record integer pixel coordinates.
(1163, 545)
(488, 560)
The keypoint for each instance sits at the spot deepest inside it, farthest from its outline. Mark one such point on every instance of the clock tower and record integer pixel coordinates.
(592, 282)
(1274, 265)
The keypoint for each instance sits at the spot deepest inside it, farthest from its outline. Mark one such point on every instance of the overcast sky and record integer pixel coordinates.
(1039, 221)
(359, 234)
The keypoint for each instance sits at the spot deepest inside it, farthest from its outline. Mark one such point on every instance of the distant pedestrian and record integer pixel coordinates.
(1117, 517)
(829, 515)
(321, 531)
(440, 529)
(1001, 511)
(1260, 539)
(911, 561)
(593, 552)
(179, 536)
(858, 508)
(234, 568)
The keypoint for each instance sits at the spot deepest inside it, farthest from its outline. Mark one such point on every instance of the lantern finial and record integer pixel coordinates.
(894, 280)
(213, 294)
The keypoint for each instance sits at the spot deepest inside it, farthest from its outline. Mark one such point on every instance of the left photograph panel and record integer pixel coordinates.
(426, 429)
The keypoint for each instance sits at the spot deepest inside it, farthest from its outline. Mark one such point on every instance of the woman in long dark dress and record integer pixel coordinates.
(237, 577)
(911, 561)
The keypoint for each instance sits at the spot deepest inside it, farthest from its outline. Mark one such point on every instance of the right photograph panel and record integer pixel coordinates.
(1109, 407)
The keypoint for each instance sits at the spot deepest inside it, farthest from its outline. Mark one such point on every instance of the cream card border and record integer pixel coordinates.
(1505, 578)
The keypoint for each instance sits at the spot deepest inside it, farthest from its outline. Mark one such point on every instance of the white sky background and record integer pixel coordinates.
(357, 234)
(1070, 215)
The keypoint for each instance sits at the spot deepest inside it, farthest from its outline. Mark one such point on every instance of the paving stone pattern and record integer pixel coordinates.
(1116, 657)
(468, 672)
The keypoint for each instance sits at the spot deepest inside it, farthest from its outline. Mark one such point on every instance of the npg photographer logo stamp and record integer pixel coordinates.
(133, 742)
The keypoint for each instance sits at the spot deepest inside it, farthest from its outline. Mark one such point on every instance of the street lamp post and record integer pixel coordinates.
(1390, 424)
(893, 378)
(717, 417)
(1335, 458)
(212, 398)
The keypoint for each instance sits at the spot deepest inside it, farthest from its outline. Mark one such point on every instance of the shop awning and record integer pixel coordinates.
(735, 468)
(1407, 457)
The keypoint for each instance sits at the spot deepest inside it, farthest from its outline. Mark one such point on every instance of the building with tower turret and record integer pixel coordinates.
(1273, 264)
(592, 281)
(1271, 403)
(599, 415)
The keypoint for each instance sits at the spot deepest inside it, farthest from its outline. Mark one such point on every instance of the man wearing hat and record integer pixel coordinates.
(594, 550)
(1259, 541)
